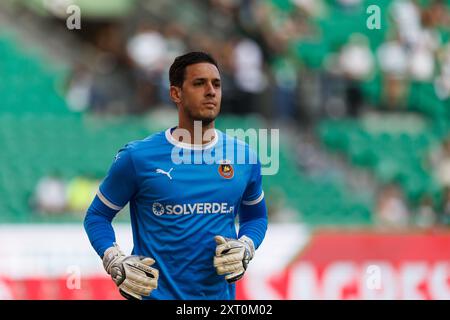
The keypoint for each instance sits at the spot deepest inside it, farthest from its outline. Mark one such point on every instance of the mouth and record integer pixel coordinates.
(209, 104)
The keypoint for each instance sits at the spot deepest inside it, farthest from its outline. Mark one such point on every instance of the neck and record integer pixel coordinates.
(197, 130)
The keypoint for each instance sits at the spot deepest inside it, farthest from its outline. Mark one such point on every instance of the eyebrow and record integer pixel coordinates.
(204, 79)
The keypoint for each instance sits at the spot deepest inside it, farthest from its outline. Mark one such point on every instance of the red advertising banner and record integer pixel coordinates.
(327, 265)
(362, 265)
(91, 288)
(42, 288)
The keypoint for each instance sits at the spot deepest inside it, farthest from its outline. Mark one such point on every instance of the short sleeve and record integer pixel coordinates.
(120, 184)
(254, 193)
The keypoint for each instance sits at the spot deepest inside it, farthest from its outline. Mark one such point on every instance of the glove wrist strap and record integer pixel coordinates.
(250, 244)
(111, 255)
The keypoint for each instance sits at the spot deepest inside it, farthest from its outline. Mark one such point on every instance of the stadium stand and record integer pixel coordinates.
(40, 134)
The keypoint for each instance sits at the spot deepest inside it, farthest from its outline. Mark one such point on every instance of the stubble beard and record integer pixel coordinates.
(206, 120)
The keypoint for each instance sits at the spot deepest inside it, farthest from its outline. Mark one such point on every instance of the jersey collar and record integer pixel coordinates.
(189, 146)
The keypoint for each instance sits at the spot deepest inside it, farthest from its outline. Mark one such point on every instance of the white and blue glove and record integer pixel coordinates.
(232, 256)
(133, 274)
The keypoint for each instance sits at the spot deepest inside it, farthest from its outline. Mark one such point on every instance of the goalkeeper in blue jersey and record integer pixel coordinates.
(182, 209)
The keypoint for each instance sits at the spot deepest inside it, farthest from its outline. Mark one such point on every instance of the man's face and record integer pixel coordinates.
(201, 92)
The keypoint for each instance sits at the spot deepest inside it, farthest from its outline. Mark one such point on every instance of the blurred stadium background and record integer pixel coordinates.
(360, 207)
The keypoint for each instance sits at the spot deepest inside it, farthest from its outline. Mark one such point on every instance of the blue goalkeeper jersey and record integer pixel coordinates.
(181, 196)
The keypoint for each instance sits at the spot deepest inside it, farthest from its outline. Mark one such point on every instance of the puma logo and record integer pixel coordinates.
(167, 173)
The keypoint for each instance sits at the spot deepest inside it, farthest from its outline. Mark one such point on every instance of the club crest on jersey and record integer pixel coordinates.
(226, 169)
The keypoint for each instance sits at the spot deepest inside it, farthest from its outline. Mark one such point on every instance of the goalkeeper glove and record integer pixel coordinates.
(132, 274)
(232, 256)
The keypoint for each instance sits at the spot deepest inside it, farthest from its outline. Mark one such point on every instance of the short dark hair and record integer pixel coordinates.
(177, 70)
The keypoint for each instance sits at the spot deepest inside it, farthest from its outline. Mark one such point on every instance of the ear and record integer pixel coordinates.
(175, 94)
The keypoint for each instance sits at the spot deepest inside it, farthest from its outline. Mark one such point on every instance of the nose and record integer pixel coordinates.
(210, 90)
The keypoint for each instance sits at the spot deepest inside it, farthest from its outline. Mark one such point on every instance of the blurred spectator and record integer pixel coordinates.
(395, 93)
(439, 14)
(440, 161)
(113, 85)
(392, 59)
(421, 63)
(147, 49)
(314, 8)
(174, 35)
(406, 15)
(79, 88)
(356, 59)
(285, 88)
(349, 3)
(445, 215)
(426, 216)
(81, 191)
(113, 88)
(50, 195)
(393, 62)
(391, 211)
(356, 63)
(442, 83)
(250, 79)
